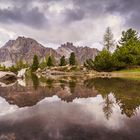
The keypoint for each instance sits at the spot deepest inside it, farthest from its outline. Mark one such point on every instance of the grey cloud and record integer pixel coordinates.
(129, 10)
(82, 9)
(32, 17)
(74, 15)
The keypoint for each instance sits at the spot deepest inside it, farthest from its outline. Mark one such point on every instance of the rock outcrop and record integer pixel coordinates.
(7, 78)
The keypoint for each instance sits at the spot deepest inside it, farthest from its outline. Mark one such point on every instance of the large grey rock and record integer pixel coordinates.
(7, 77)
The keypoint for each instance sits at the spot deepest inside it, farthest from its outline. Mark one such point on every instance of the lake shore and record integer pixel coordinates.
(91, 73)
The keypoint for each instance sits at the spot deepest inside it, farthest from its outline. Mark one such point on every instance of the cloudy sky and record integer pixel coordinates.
(53, 22)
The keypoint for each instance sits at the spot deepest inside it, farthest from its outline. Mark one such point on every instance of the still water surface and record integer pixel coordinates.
(70, 108)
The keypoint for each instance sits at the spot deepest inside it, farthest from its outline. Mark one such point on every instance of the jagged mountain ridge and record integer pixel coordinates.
(82, 53)
(25, 48)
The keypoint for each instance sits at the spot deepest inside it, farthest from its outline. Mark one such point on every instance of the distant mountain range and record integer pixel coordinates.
(25, 48)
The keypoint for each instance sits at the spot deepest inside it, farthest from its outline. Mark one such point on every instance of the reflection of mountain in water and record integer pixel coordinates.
(32, 93)
(70, 108)
(53, 119)
(126, 92)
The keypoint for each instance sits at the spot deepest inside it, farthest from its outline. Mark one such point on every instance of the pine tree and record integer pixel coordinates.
(50, 62)
(63, 61)
(103, 61)
(127, 36)
(72, 59)
(35, 64)
(108, 39)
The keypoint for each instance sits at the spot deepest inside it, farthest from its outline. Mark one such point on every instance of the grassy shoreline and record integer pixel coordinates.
(133, 72)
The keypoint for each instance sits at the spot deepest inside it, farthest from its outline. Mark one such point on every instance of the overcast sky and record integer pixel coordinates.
(53, 22)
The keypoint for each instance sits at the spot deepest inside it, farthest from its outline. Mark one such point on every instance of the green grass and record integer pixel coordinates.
(132, 70)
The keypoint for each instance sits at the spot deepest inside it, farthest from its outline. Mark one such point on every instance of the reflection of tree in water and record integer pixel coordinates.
(35, 81)
(62, 84)
(89, 83)
(126, 92)
(107, 108)
(50, 83)
(129, 106)
(72, 85)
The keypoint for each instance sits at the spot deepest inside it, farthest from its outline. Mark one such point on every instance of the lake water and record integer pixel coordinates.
(70, 108)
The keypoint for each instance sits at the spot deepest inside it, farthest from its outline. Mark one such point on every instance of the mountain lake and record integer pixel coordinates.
(70, 108)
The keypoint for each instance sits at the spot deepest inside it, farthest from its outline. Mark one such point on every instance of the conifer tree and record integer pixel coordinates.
(127, 36)
(108, 39)
(62, 61)
(35, 64)
(72, 59)
(50, 62)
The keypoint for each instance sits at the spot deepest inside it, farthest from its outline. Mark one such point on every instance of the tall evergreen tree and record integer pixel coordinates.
(35, 64)
(103, 61)
(63, 61)
(50, 62)
(108, 39)
(72, 59)
(127, 36)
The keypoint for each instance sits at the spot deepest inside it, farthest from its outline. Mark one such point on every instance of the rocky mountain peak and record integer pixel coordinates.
(82, 53)
(68, 45)
(25, 49)
(25, 39)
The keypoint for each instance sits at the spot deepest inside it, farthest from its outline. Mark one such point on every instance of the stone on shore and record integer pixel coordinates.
(7, 77)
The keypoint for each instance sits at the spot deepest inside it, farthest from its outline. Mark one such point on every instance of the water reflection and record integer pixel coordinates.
(70, 108)
(35, 81)
(107, 108)
(53, 118)
(126, 91)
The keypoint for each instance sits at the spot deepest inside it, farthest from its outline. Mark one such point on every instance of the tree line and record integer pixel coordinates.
(50, 62)
(126, 53)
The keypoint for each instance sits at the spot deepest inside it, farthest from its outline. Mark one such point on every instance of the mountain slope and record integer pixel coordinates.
(25, 49)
